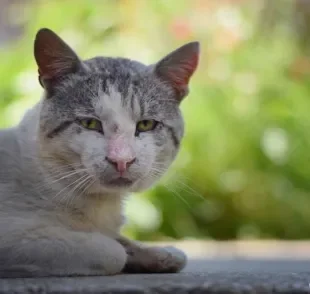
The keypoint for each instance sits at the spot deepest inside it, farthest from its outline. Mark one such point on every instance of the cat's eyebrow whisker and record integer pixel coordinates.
(95, 95)
(166, 100)
(154, 89)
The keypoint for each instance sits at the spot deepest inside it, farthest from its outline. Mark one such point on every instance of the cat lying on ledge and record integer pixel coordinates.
(104, 127)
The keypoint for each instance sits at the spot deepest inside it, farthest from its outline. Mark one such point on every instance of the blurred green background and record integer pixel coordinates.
(244, 167)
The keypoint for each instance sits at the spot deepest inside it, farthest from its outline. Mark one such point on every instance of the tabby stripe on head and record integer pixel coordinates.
(59, 129)
(175, 139)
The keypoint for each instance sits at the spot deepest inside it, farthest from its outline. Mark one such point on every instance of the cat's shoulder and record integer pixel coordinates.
(9, 148)
(8, 138)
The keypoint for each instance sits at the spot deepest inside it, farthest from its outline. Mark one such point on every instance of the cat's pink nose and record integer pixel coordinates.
(121, 165)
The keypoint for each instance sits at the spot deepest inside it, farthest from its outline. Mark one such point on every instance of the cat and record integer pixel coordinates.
(104, 128)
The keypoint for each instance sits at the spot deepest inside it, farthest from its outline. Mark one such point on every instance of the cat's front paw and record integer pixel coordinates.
(156, 260)
(170, 259)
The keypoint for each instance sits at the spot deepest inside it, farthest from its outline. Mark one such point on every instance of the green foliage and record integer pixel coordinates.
(244, 167)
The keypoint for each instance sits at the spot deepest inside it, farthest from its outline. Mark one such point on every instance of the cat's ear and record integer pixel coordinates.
(55, 59)
(178, 67)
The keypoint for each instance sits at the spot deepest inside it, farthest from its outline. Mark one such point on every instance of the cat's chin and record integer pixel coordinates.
(119, 185)
(122, 185)
(114, 186)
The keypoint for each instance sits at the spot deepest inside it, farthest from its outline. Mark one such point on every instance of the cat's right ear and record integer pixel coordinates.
(178, 67)
(55, 59)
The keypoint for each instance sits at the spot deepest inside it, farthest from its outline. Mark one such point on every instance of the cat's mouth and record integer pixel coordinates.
(120, 182)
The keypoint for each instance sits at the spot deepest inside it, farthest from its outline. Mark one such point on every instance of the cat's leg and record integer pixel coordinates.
(142, 259)
(56, 251)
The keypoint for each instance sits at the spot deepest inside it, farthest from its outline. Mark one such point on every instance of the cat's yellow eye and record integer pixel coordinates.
(146, 125)
(91, 124)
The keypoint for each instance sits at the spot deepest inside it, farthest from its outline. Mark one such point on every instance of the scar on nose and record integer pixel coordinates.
(115, 128)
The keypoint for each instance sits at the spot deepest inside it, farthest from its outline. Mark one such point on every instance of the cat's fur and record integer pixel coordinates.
(60, 196)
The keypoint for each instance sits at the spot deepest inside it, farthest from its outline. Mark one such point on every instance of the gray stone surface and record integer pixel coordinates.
(201, 276)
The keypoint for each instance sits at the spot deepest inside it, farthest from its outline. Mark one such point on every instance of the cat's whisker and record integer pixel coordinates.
(72, 194)
(66, 175)
(58, 178)
(160, 171)
(153, 175)
(181, 183)
(66, 187)
(86, 186)
(178, 196)
(53, 174)
(63, 164)
(175, 193)
(189, 188)
(178, 178)
(181, 180)
(86, 189)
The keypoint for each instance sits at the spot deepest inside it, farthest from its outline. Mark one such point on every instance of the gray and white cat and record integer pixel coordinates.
(103, 128)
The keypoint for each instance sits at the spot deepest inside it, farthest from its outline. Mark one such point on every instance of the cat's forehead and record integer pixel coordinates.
(133, 99)
(116, 106)
(124, 94)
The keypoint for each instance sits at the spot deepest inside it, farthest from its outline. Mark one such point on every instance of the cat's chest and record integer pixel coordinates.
(101, 215)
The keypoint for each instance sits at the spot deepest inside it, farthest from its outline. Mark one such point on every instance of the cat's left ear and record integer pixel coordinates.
(55, 59)
(177, 67)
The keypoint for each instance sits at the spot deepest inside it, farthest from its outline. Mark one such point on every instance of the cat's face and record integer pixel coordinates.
(116, 121)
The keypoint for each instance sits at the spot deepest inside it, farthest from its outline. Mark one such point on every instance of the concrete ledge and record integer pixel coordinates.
(243, 249)
(234, 267)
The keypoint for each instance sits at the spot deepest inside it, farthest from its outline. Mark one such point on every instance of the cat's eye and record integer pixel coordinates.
(146, 125)
(91, 124)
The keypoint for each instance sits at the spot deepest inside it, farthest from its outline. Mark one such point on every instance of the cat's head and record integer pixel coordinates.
(115, 120)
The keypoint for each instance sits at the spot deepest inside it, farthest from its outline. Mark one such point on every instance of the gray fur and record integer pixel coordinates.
(59, 215)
